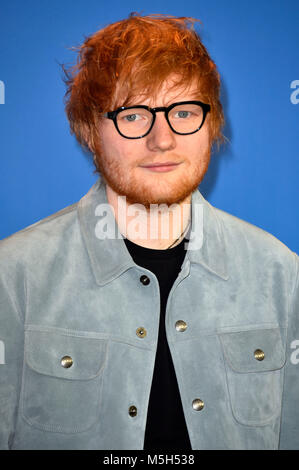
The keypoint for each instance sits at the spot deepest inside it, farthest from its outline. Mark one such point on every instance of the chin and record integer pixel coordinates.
(160, 188)
(147, 196)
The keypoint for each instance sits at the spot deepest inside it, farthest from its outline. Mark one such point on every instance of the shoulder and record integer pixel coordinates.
(254, 244)
(38, 238)
(31, 252)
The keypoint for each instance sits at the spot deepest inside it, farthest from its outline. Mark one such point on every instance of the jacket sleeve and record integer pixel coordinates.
(11, 360)
(289, 431)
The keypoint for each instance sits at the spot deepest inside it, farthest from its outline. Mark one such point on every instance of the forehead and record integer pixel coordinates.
(170, 91)
(170, 94)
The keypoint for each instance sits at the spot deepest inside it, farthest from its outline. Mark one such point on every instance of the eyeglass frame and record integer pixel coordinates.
(113, 116)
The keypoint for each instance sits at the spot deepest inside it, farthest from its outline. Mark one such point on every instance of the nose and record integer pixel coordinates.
(161, 138)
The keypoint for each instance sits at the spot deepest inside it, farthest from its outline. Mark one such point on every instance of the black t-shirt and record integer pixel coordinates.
(165, 426)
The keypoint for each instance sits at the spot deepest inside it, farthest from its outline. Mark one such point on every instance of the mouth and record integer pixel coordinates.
(161, 167)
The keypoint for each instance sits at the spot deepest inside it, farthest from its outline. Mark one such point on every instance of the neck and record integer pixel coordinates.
(159, 227)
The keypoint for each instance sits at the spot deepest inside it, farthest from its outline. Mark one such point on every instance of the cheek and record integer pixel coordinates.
(195, 148)
(110, 142)
(111, 149)
(128, 151)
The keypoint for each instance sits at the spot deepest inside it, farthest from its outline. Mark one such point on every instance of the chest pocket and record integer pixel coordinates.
(62, 381)
(253, 362)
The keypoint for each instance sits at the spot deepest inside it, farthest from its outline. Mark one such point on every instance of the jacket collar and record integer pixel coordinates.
(109, 256)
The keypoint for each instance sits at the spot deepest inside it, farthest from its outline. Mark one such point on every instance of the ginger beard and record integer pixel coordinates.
(144, 187)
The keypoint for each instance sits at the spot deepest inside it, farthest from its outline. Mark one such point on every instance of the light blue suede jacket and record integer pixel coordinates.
(64, 291)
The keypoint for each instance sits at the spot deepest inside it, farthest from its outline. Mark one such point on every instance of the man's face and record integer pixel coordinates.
(125, 163)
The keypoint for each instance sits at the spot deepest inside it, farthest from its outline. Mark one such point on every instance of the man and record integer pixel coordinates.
(142, 317)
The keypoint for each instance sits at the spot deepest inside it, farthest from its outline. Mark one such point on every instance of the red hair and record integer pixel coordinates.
(132, 57)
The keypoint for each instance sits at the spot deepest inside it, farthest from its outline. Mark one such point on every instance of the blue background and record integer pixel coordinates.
(253, 42)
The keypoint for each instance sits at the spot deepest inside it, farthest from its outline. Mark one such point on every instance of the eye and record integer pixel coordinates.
(182, 114)
(132, 117)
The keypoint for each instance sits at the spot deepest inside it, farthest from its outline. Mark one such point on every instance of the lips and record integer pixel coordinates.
(161, 166)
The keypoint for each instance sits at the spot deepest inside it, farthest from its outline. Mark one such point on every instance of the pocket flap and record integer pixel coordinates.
(44, 352)
(241, 350)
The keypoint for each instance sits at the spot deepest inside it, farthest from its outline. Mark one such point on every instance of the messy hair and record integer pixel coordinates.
(134, 57)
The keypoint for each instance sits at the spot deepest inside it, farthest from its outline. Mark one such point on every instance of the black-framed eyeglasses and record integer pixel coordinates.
(135, 122)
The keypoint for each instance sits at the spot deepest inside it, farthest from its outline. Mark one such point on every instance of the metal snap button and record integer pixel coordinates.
(132, 411)
(66, 362)
(180, 325)
(145, 280)
(141, 332)
(259, 355)
(197, 404)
